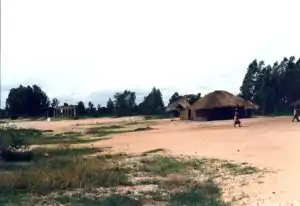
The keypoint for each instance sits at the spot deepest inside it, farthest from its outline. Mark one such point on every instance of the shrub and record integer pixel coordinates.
(13, 146)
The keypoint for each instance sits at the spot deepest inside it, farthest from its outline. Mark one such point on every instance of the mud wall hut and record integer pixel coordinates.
(296, 104)
(180, 108)
(250, 108)
(218, 105)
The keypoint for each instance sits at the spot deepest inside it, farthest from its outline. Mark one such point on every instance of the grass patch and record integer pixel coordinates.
(116, 156)
(205, 194)
(62, 152)
(237, 169)
(14, 199)
(151, 117)
(163, 166)
(99, 131)
(120, 200)
(61, 174)
(185, 191)
(32, 136)
(141, 122)
(135, 123)
(37, 137)
(188, 181)
(76, 199)
(112, 127)
(110, 200)
(63, 138)
(140, 129)
(23, 133)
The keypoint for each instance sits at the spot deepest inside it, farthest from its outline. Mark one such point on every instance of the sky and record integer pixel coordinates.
(89, 49)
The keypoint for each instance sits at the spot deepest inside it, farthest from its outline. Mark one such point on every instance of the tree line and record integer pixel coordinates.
(273, 88)
(32, 101)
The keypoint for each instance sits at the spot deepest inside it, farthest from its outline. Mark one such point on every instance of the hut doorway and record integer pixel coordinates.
(189, 114)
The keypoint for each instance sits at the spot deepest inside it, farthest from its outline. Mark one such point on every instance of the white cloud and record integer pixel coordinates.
(81, 47)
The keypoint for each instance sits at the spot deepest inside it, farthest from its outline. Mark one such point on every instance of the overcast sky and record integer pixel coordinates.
(88, 49)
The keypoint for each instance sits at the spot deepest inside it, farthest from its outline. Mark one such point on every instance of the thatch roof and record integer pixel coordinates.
(296, 103)
(181, 102)
(251, 105)
(218, 99)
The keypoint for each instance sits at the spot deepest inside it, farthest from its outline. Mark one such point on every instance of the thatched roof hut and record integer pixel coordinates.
(251, 105)
(220, 105)
(181, 103)
(218, 99)
(296, 103)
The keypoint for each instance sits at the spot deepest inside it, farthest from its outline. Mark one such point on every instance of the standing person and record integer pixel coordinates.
(236, 118)
(296, 115)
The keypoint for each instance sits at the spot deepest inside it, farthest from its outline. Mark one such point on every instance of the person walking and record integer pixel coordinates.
(236, 118)
(296, 115)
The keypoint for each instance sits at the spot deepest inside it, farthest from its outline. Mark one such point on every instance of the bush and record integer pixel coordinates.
(206, 194)
(13, 147)
(12, 156)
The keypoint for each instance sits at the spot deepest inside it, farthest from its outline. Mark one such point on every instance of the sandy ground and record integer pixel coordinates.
(272, 143)
(65, 125)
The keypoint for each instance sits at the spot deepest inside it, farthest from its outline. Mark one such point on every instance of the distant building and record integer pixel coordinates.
(180, 106)
(64, 111)
(216, 105)
(220, 105)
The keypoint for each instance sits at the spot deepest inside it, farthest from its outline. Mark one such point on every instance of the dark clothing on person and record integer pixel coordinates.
(296, 116)
(236, 119)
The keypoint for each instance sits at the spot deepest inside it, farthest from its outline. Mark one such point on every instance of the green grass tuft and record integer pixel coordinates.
(237, 169)
(204, 194)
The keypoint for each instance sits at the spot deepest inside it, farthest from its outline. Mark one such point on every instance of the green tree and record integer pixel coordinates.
(250, 82)
(54, 102)
(124, 103)
(80, 108)
(153, 103)
(27, 101)
(110, 107)
(273, 88)
(174, 98)
(91, 109)
(101, 110)
(98, 110)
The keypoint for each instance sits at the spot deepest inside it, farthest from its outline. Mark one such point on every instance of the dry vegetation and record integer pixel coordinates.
(65, 177)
